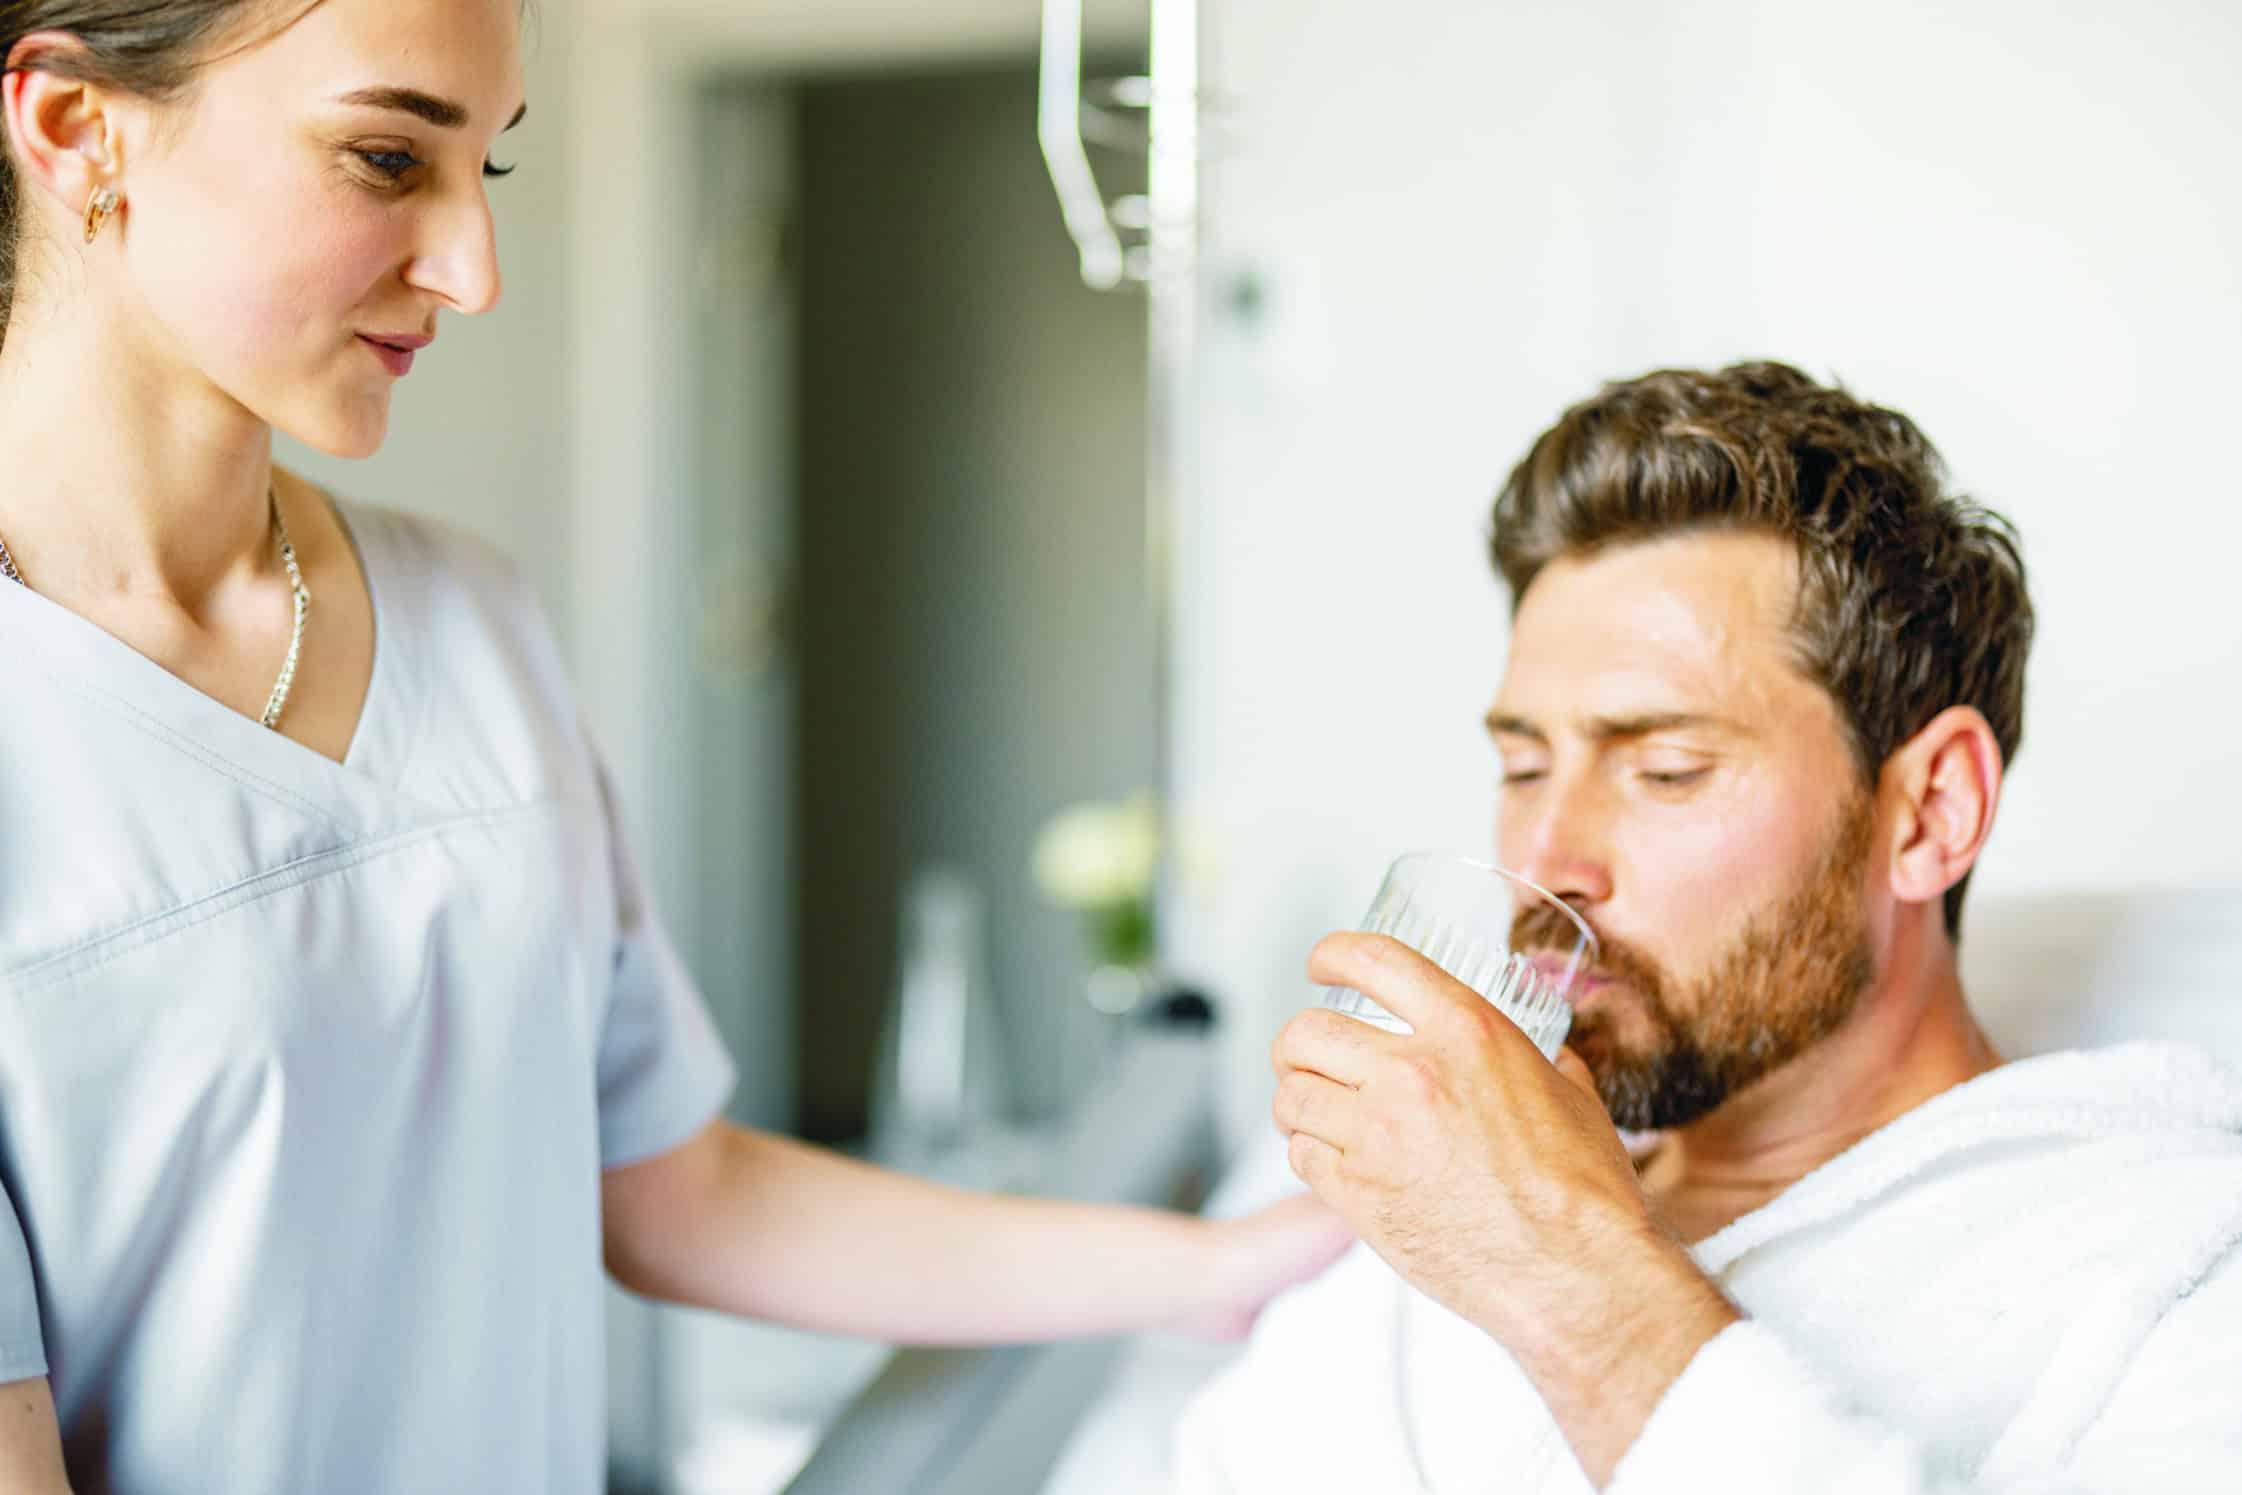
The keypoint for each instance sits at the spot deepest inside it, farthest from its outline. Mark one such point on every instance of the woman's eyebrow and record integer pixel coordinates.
(442, 113)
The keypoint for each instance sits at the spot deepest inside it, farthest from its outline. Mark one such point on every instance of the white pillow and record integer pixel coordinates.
(2083, 969)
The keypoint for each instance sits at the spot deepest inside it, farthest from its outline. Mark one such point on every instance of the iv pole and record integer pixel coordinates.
(1166, 264)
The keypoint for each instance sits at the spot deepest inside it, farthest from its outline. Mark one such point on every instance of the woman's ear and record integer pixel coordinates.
(64, 131)
(1945, 783)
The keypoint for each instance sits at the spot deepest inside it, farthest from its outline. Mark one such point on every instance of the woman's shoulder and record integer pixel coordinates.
(456, 610)
(416, 563)
(404, 547)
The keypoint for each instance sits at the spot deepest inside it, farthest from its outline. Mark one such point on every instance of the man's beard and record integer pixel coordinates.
(1787, 982)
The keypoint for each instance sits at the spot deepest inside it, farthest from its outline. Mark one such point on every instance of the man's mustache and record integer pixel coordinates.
(1539, 927)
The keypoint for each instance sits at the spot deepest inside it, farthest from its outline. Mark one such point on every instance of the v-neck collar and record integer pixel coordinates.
(97, 666)
(388, 722)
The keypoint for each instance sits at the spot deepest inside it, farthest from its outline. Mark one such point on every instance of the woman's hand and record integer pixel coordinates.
(1256, 1257)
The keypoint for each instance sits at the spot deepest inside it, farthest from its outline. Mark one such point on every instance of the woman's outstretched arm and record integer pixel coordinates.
(766, 1227)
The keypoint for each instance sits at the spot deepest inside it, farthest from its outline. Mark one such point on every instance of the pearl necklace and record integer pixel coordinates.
(278, 701)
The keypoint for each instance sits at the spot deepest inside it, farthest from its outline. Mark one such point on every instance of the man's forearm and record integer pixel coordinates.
(1604, 1361)
(775, 1229)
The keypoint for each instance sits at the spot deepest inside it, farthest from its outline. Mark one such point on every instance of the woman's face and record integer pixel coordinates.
(316, 196)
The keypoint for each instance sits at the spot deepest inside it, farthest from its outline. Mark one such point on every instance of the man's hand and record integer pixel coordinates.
(1497, 1185)
(1481, 1173)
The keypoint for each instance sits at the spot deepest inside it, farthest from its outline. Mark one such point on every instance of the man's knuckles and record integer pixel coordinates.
(1415, 1079)
(1313, 1162)
(1296, 1106)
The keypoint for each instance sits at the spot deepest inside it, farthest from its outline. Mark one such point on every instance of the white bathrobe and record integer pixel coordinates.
(2031, 1283)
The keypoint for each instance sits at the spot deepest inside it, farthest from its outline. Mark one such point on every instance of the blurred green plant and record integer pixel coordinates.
(1102, 861)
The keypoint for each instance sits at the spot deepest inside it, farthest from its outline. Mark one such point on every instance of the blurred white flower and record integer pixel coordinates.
(1098, 856)
(1200, 859)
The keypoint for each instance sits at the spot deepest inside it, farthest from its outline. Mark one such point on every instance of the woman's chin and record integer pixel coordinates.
(351, 435)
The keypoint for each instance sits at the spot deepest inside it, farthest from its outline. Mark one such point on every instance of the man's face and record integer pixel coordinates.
(1670, 772)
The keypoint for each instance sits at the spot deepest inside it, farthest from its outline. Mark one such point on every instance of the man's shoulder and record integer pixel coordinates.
(2076, 1134)
(2106, 1113)
(2076, 1162)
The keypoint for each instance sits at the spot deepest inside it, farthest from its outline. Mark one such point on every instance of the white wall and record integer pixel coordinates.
(2017, 222)
(852, 33)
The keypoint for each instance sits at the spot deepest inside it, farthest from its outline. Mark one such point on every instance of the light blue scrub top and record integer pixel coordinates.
(308, 1071)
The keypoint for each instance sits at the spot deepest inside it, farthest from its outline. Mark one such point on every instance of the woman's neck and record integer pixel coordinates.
(129, 475)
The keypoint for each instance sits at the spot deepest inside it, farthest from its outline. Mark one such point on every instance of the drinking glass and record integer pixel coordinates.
(1459, 914)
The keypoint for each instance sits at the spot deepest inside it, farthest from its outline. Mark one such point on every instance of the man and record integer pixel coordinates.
(1765, 676)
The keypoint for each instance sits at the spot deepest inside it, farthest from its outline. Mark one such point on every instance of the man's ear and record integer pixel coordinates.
(1943, 786)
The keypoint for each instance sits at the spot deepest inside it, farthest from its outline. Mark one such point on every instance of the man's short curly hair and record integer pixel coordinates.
(1912, 599)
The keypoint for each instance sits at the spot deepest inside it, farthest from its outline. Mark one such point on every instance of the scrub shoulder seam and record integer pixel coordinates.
(93, 953)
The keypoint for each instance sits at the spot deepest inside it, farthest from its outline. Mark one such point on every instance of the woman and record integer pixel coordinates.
(338, 1048)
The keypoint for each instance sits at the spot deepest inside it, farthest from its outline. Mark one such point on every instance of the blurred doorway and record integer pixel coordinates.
(919, 557)
(916, 556)
(974, 646)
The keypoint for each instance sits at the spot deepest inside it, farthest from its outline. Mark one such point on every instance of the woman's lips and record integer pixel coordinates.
(396, 353)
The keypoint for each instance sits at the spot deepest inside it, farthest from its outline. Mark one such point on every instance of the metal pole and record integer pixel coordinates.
(1167, 263)
(1058, 128)
(1171, 386)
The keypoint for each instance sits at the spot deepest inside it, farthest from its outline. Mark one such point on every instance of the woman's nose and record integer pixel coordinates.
(460, 261)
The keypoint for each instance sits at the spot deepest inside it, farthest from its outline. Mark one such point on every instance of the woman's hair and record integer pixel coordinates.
(1912, 598)
(152, 48)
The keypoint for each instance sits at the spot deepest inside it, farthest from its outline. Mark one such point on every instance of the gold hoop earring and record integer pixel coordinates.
(98, 208)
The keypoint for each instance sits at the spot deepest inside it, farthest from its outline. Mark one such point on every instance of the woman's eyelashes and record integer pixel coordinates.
(393, 166)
